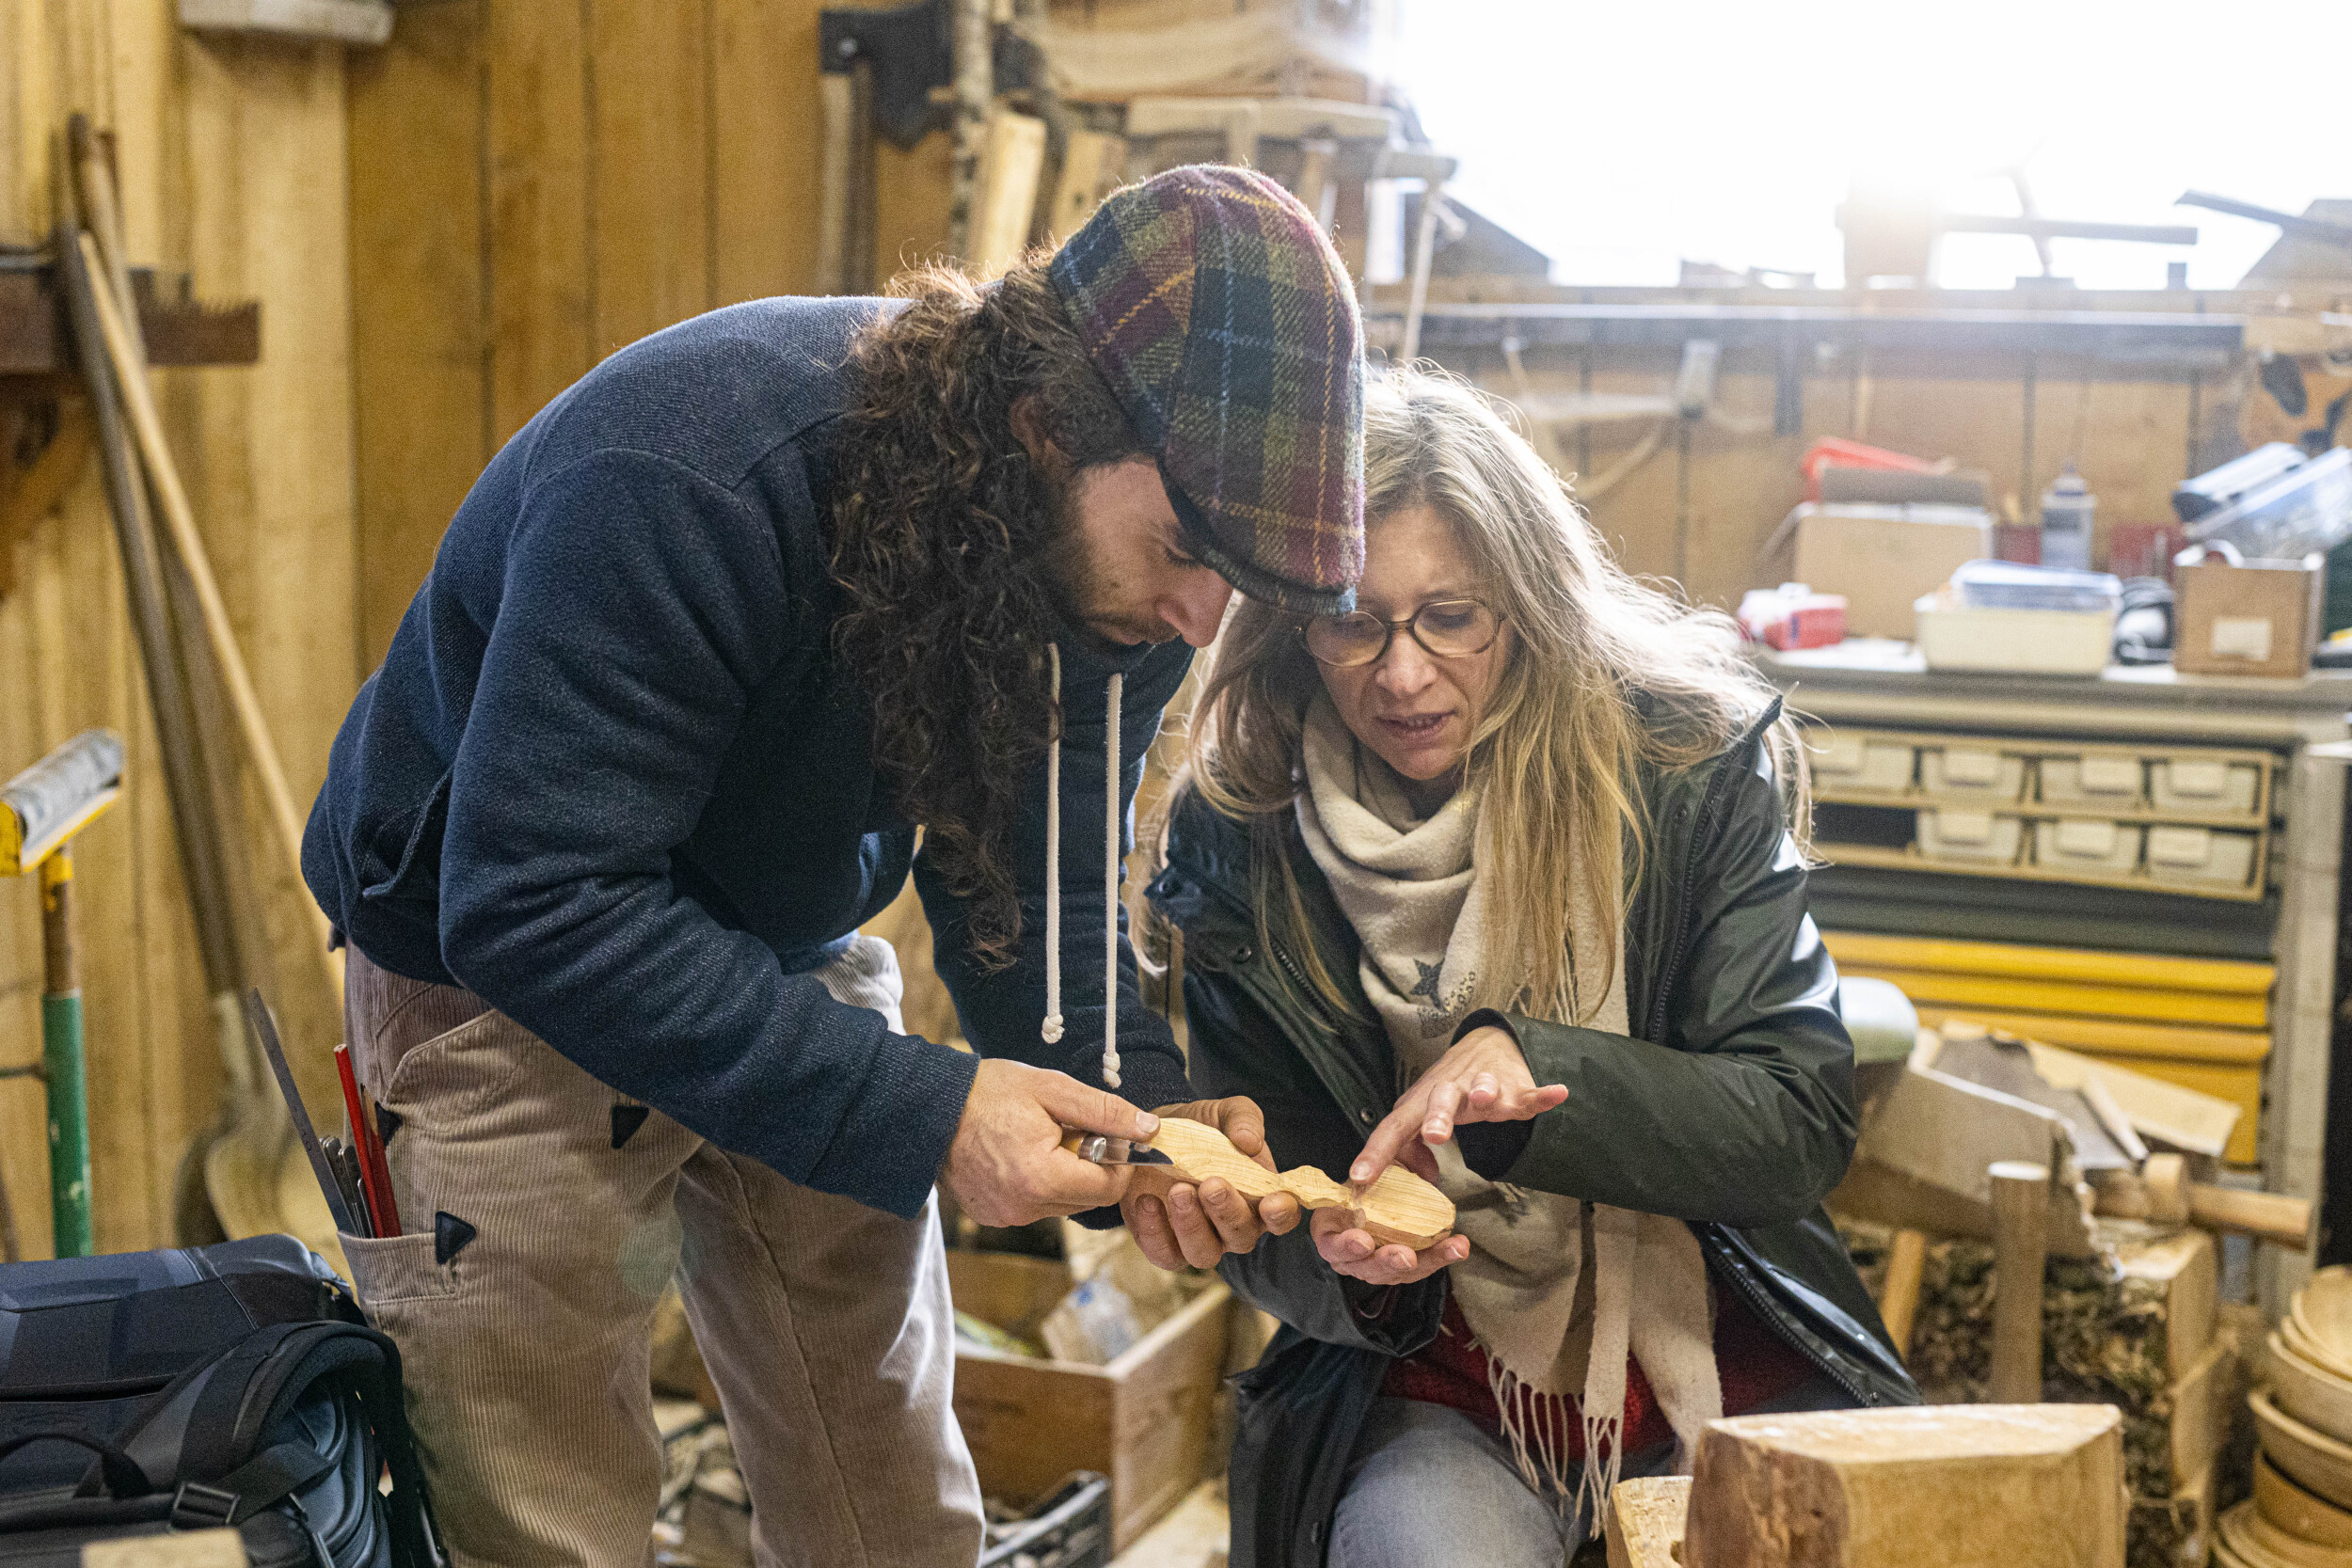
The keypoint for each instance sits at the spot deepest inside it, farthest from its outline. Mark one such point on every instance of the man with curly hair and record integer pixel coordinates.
(708, 642)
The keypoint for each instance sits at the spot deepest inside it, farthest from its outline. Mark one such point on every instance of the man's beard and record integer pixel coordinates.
(1075, 580)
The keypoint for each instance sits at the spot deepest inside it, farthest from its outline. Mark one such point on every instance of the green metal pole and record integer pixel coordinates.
(62, 1061)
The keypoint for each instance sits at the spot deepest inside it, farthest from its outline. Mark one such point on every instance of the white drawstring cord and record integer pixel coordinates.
(1052, 1030)
(1110, 895)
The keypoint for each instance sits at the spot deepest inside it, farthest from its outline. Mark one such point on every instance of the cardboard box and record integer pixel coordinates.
(1881, 557)
(1143, 1420)
(2261, 618)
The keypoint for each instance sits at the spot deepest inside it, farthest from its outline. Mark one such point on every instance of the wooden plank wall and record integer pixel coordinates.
(535, 185)
(231, 158)
(1699, 509)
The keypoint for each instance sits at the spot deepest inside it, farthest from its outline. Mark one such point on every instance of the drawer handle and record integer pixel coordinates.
(2110, 776)
(1972, 767)
(1839, 753)
(2094, 839)
(1964, 827)
(2180, 846)
(2198, 778)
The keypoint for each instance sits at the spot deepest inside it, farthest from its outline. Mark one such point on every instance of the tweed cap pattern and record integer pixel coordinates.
(1226, 327)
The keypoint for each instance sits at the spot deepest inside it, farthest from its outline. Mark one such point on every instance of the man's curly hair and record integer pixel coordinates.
(952, 553)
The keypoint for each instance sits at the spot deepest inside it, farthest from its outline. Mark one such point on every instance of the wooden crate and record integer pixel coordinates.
(1143, 1420)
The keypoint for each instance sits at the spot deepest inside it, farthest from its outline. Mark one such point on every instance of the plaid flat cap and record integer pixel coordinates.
(1226, 327)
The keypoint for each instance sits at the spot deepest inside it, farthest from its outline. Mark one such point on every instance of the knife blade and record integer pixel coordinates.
(1098, 1150)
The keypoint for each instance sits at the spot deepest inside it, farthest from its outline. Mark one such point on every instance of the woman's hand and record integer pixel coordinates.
(1483, 1078)
(1176, 1223)
(1355, 1253)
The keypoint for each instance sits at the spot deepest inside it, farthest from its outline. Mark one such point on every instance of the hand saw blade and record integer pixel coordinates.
(257, 1012)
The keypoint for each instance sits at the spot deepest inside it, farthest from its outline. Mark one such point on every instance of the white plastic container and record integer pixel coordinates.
(2113, 782)
(2210, 857)
(1852, 760)
(2068, 508)
(1979, 837)
(2090, 844)
(2014, 642)
(2205, 787)
(1971, 773)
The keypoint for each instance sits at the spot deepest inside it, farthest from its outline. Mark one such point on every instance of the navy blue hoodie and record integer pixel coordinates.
(612, 779)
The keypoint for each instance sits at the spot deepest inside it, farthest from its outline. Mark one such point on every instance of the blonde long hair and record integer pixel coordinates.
(1560, 749)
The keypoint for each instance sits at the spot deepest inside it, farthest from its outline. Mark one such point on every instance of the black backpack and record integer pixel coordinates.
(231, 1386)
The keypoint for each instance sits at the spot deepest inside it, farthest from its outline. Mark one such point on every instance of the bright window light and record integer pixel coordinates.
(1624, 139)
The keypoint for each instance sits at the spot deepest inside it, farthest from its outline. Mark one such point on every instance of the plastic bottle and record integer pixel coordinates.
(2067, 509)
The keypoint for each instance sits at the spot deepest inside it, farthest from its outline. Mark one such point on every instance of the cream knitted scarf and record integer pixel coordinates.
(1412, 890)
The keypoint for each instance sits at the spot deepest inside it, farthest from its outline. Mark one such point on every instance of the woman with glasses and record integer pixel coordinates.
(1496, 877)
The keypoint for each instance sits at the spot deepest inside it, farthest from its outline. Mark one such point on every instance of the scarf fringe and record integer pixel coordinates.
(1530, 1421)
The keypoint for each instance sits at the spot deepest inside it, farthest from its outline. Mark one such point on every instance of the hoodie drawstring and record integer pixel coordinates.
(1052, 1028)
(1110, 895)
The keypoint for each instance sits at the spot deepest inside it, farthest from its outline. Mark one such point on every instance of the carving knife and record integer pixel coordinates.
(1099, 1149)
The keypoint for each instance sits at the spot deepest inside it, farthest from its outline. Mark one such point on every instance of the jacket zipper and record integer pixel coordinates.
(1773, 1316)
(1298, 978)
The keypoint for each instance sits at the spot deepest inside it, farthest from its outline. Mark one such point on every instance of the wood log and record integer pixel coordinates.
(1934, 1486)
(2020, 1201)
(1399, 1207)
(2162, 1194)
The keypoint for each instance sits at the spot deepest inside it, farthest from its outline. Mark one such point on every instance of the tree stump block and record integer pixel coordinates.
(1930, 1486)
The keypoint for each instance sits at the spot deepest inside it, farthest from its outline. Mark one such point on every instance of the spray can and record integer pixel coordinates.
(2067, 509)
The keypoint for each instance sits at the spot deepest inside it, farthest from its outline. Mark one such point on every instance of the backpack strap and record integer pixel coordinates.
(122, 1478)
(204, 1428)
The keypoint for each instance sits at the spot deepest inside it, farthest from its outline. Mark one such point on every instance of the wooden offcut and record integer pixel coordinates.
(1398, 1207)
(1956, 1486)
(2021, 1197)
(1645, 1521)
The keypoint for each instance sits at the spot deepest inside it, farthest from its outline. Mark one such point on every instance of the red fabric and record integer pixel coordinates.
(1752, 1362)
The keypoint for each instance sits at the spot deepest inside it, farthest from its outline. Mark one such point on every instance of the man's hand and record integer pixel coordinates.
(1483, 1078)
(1357, 1254)
(1006, 1166)
(1176, 1223)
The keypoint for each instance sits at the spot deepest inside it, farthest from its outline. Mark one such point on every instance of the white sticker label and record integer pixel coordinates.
(2245, 637)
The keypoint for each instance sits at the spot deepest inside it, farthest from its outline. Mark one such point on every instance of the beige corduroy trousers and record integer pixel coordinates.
(525, 1347)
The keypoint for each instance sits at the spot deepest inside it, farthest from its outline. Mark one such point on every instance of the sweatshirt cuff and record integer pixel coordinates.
(888, 1151)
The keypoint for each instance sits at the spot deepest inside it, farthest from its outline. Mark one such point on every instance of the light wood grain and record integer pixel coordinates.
(230, 155)
(536, 156)
(650, 169)
(1399, 1207)
(1899, 1303)
(2021, 1199)
(2299, 1512)
(1646, 1515)
(1945, 1486)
